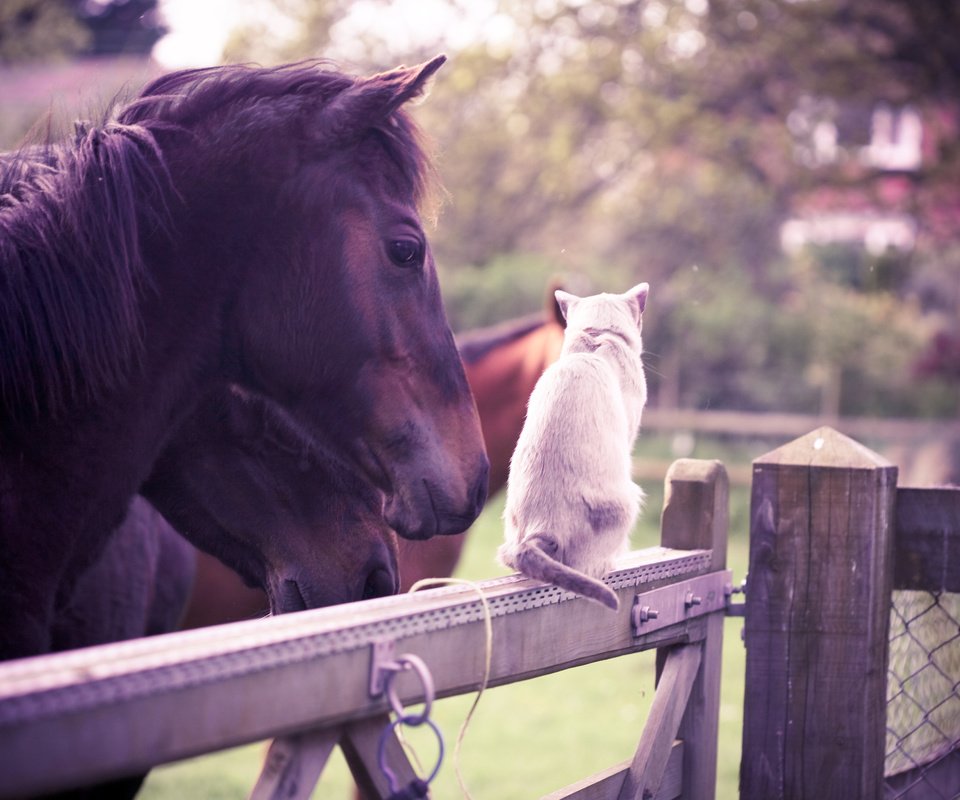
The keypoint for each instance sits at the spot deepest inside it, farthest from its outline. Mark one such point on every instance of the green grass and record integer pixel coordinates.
(529, 738)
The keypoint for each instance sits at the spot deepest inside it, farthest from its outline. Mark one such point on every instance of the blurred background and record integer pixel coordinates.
(784, 173)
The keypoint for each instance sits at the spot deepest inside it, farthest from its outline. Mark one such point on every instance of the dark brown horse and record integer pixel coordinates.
(137, 587)
(242, 483)
(238, 481)
(502, 364)
(244, 226)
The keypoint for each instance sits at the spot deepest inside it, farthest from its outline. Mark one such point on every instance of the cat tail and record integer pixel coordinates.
(534, 561)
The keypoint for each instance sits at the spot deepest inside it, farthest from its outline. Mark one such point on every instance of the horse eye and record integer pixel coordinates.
(406, 252)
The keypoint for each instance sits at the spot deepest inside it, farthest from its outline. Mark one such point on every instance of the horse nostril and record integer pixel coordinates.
(480, 492)
(379, 583)
(290, 598)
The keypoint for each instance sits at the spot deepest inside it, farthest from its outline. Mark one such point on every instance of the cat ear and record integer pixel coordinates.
(552, 304)
(566, 301)
(637, 298)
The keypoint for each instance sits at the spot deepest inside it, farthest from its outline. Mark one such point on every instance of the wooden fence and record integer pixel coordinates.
(831, 537)
(771, 425)
(92, 715)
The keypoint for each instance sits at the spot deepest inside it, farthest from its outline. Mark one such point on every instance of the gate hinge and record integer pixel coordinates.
(735, 609)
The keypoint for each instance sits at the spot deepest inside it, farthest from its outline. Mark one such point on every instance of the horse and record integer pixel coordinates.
(138, 586)
(236, 225)
(243, 484)
(237, 482)
(239, 479)
(502, 363)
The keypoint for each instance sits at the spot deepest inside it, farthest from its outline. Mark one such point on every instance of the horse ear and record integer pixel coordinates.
(637, 297)
(370, 101)
(409, 82)
(565, 301)
(552, 305)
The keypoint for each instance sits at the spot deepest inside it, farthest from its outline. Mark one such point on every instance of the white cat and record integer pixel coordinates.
(571, 502)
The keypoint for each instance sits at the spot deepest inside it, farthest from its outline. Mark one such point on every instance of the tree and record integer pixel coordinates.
(119, 26)
(33, 30)
(38, 29)
(668, 141)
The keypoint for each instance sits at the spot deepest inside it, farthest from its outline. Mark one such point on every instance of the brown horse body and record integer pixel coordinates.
(502, 363)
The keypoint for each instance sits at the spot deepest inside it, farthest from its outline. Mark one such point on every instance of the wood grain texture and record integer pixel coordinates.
(359, 744)
(649, 765)
(606, 785)
(91, 715)
(696, 515)
(817, 621)
(293, 765)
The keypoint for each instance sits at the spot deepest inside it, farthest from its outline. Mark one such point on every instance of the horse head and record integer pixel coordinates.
(294, 521)
(335, 309)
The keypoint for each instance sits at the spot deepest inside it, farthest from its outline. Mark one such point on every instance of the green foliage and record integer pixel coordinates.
(718, 347)
(35, 30)
(668, 141)
(518, 284)
(119, 26)
(31, 30)
(307, 24)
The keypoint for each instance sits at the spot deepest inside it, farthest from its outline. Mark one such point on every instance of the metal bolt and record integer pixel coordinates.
(647, 613)
(692, 600)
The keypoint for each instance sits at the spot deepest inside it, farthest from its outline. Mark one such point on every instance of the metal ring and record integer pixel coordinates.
(415, 663)
(382, 749)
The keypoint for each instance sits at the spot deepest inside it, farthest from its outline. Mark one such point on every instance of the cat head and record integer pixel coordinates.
(600, 313)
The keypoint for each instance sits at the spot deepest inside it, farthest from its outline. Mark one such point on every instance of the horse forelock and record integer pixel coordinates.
(410, 151)
(71, 271)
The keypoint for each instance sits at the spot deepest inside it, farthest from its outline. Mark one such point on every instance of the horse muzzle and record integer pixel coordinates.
(376, 576)
(428, 508)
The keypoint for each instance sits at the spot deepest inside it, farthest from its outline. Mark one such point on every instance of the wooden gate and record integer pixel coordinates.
(91, 715)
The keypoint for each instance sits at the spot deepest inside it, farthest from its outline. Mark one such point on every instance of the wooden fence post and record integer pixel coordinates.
(817, 621)
(695, 517)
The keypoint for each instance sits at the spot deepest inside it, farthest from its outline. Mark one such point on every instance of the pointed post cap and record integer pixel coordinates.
(824, 447)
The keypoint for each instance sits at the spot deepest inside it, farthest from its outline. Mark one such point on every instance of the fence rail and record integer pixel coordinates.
(101, 713)
(772, 425)
(832, 539)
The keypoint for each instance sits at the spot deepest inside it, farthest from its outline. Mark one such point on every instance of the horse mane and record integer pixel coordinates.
(476, 344)
(71, 271)
(252, 98)
(73, 215)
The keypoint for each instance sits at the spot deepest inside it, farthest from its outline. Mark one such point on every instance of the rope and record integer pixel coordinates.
(488, 657)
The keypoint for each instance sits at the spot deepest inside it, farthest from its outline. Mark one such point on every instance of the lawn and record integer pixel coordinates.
(529, 738)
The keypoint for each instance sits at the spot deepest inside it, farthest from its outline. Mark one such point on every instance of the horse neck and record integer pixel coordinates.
(501, 382)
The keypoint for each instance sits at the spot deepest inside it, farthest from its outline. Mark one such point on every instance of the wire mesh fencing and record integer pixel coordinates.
(923, 697)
